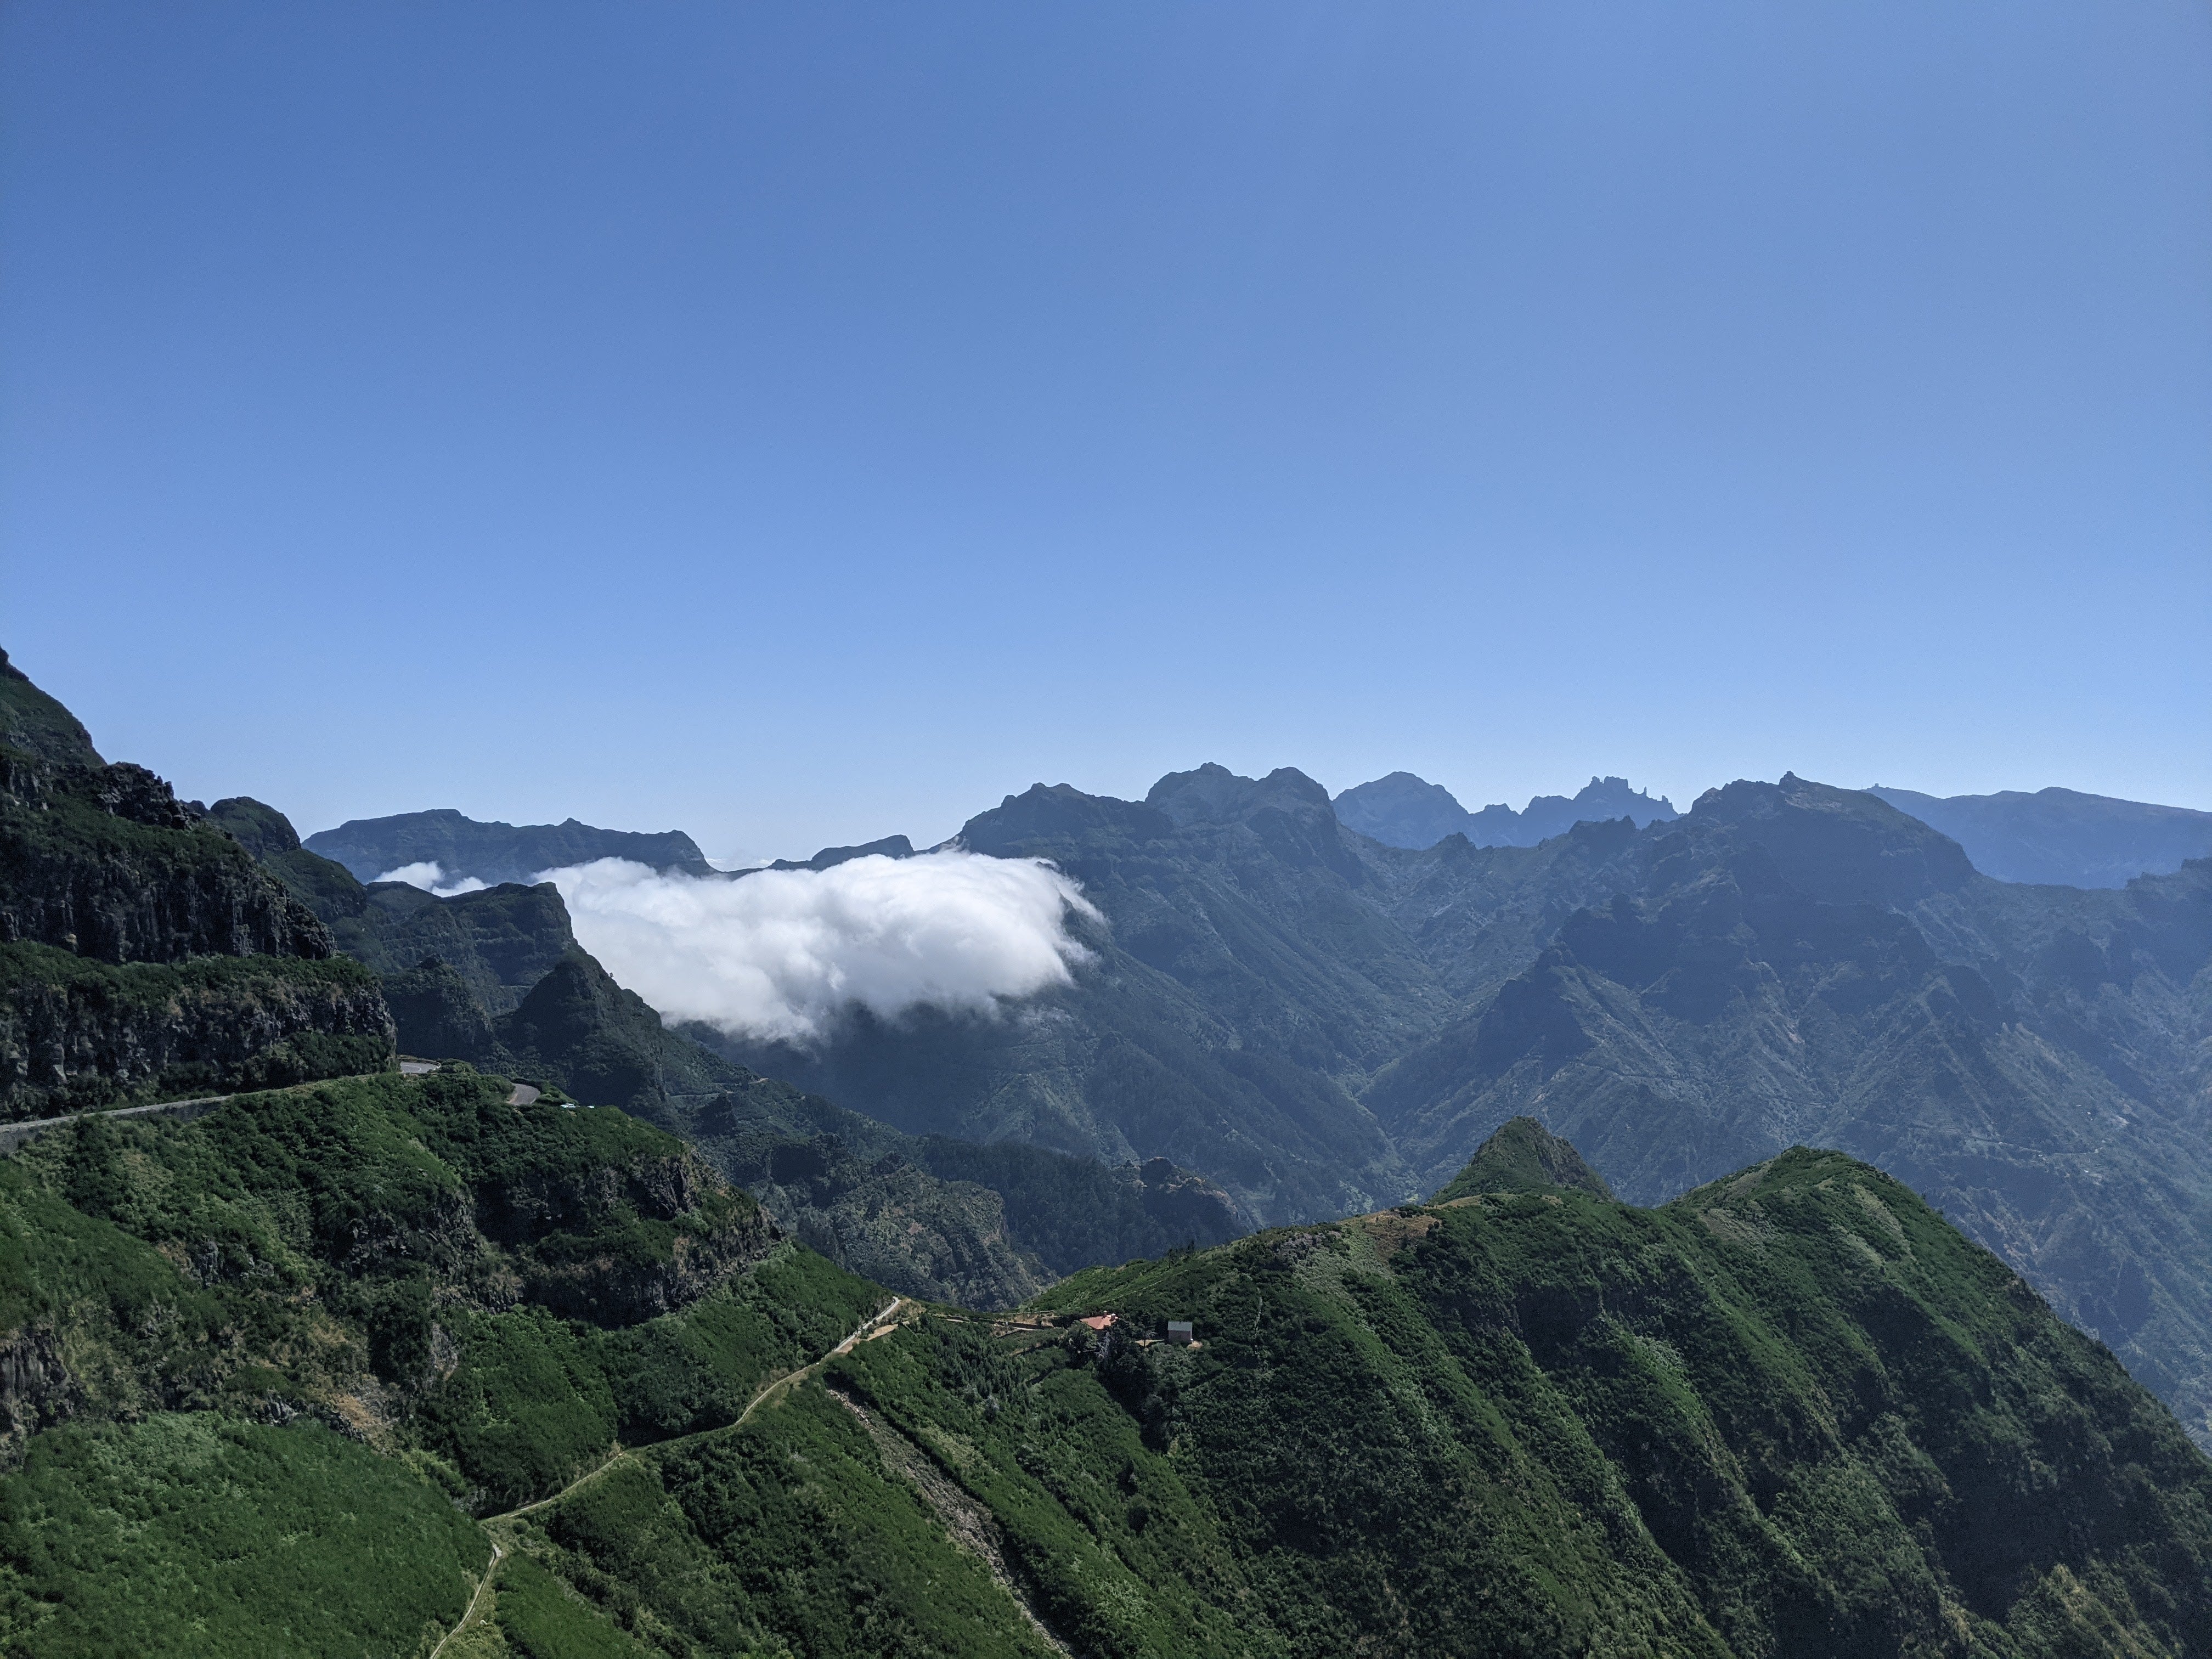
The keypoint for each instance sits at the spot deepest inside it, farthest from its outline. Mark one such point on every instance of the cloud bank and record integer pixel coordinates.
(430, 877)
(777, 954)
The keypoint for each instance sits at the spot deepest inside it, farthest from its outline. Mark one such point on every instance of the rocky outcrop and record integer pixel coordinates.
(616, 1243)
(144, 952)
(75, 1035)
(1186, 1206)
(107, 863)
(36, 1389)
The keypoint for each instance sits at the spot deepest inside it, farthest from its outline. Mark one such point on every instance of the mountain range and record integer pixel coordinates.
(2062, 837)
(463, 850)
(1315, 1023)
(563, 1340)
(1323, 1024)
(2052, 837)
(1404, 810)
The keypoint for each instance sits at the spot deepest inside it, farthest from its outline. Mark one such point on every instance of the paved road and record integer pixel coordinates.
(14, 1135)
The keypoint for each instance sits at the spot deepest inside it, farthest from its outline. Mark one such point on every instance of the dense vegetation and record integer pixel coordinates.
(1523, 1157)
(1323, 1024)
(1795, 1413)
(200, 1534)
(254, 1368)
(260, 1368)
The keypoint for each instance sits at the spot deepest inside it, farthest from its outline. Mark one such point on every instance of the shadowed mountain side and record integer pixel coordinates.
(2062, 835)
(495, 852)
(962, 1222)
(498, 942)
(144, 954)
(495, 978)
(1523, 1157)
(2050, 1101)
(1258, 962)
(978, 1226)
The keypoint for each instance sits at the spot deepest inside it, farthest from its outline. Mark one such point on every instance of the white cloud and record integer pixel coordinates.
(431, 879)
(777, 954)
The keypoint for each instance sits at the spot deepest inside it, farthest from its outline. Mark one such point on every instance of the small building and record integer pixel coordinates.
(1179, 1332)
(1096, 1321)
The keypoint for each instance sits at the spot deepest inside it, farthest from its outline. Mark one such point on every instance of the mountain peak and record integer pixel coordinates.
(1840, 846)
(1211, 793)
(34, 722)
(1404, 810)
(1525, 1157)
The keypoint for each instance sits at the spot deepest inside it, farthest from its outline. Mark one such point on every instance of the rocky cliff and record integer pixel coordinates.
(144, 951)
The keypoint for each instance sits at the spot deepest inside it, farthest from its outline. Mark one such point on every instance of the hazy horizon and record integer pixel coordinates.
(800, 425)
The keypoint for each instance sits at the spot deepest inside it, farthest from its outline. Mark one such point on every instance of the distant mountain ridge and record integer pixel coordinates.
(1325, 1024)
(1405, 810)
(2063, 837)
(463, 848)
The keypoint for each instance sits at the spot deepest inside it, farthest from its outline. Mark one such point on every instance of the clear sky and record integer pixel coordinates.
(797, 423)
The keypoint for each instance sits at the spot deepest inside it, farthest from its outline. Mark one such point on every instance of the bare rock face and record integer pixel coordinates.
(36, 1390)
(107, 863)
(144, 953)
(75, 1035)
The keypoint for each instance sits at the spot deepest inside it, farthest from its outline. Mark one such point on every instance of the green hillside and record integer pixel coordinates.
(259, 1366)
(1322, 1023)
(262, 1368)
(1792, 1414)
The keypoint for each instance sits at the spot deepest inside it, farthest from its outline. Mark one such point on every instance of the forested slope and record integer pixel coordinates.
(1795, 1413)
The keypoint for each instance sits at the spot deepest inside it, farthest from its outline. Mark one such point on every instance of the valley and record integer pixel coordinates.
(1753, 1232)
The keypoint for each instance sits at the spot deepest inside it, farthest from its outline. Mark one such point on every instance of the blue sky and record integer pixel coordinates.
(800, 423)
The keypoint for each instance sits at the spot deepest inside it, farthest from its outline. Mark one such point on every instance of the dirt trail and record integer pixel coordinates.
(501, 1526)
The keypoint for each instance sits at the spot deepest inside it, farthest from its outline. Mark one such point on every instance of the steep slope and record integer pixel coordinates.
(143, 952)
(253, 1362)
(1794, 1413)
(496, 979)
(1804, 964)
(463, 850)
(2062, 836)
(1259, 962)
